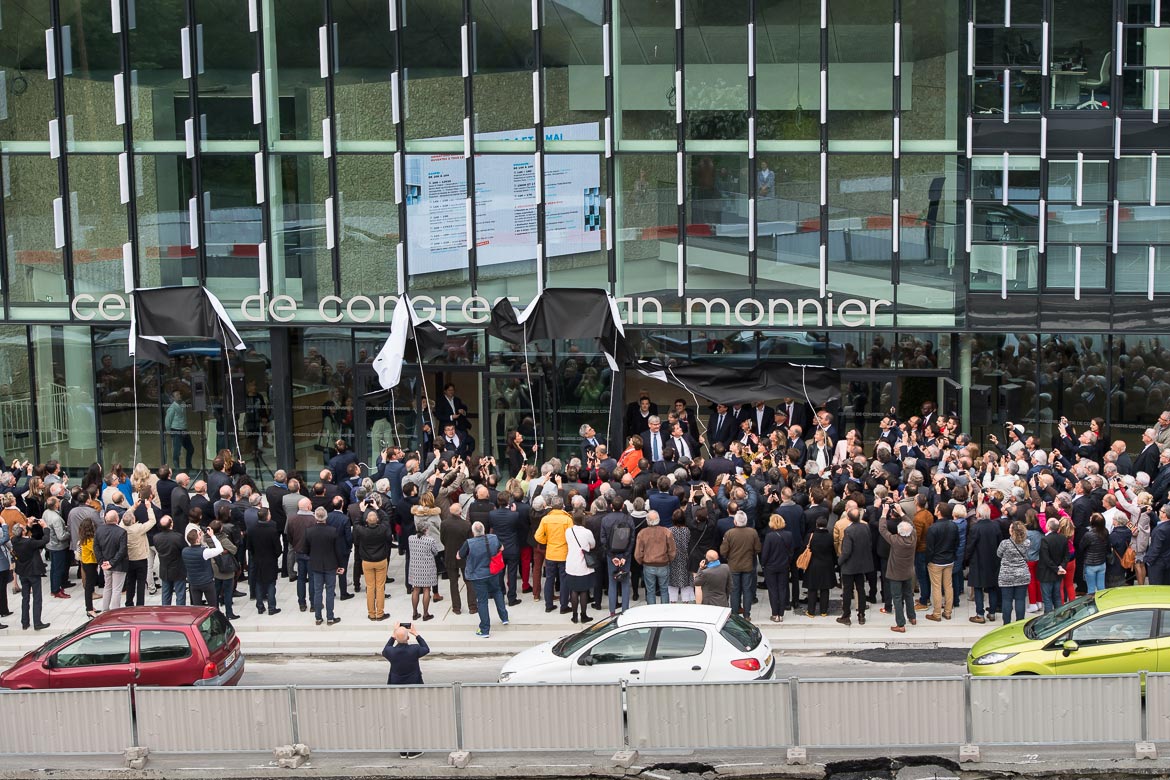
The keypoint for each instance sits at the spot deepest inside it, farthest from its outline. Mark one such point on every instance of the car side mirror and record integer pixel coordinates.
(49, 662)
(1070, 647)
(586, 660)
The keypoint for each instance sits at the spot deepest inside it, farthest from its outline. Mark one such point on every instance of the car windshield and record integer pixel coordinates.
(1062, 618)
(574, 642)
(741, 633)
(57, 641)
(216, 631)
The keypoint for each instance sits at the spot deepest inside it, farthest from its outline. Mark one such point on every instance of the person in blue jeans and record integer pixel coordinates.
(478, 552)
(1097, 553)
(1014, 574)
(1050, 568)
(617, 539)
(654, 550)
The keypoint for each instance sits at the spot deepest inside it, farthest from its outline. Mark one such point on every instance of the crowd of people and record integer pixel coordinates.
(756, 502)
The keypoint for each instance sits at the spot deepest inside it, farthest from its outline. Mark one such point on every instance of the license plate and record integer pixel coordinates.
(231, 659)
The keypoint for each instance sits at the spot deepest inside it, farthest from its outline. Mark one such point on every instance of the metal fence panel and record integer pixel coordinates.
(197, 720)
(1158, 707)
(709, 715)
(490, 714)
(73, 721)
(383, 718)
(1055, 710)
(855, 713)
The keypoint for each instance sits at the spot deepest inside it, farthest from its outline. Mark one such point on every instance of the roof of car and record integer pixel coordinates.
(1153, 595)
(676, 613)
(149, 616)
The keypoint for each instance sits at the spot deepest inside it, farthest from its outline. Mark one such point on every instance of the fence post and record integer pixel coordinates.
(293, 716)
(794, 705)
(457, 692)
(968, 717)
(625, 716)
(132, 712)
(1145, 711)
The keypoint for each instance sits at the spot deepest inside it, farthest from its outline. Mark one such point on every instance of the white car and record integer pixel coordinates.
(662, 643)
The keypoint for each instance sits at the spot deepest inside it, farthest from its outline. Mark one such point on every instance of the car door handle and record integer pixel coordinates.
(696, 668)
(137, 672)
(635, 671)
(1140, 650)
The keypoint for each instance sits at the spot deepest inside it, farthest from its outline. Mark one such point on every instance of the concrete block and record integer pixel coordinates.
(797, 755)
(283, 751)
(625, 758)
(968, 754)
(136, 763)
(459, 759)
(1146, 750)
(301, 749)
(294, 762)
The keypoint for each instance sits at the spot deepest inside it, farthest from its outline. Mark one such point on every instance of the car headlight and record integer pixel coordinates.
(987, 659)
(505, 676)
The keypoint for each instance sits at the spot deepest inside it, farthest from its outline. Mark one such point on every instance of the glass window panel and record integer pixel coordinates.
(1023, 11)
(233, 226)
(861, 69)
(1072, 224)
(788, 219)
(158, 92)
(163, 189)
(1013, 47)
(930, 70)
(1062, 180)
(1133, 180)
(36, 270)
(647, 229)
(436, 220)
(1144, 224)
(574, 220)
(369, 224)
(99, 224)
(1131, 269)
(93, 54)
(1073, 377)
(1137, 361)
(929, 239)
(26, 98)
(296, 80)
(1082, 54)
(504, 59)
(1138, 85)
(302, 265)
(715, 72)
(1062, 267)
(16, 422)
(645, 70)
(788, 67)
(572, 48)
(998, 223)
(1023, 177)
(67, 429)
(991, 264)
(366, 58)
(229, 60)
(717, 221)
(432, 62)
(1139, 11)
(860, 212)
(116, 388)
(322, 391)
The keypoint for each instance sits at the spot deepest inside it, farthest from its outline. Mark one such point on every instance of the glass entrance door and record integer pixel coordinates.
(516, 404)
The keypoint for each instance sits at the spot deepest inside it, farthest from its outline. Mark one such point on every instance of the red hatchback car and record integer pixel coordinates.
(139, 645)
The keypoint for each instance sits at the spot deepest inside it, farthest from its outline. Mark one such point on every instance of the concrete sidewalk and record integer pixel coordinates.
(294, 632)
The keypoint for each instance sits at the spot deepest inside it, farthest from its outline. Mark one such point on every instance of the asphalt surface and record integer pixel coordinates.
(350, 670)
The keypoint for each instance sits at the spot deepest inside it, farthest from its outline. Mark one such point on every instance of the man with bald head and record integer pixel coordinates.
(295, 528)
(403, 658)
(111, 553)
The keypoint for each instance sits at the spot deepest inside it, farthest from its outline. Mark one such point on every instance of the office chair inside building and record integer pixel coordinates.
(1102, 79)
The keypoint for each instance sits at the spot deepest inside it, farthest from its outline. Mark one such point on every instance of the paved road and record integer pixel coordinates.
(275, 670)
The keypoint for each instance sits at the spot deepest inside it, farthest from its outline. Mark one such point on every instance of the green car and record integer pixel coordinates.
(1118, 631)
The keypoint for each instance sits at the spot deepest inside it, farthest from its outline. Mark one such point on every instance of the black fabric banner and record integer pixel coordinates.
(563, 313)
(180, 313)
(739, 384)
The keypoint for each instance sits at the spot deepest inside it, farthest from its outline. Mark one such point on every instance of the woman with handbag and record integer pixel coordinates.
(1015, 571)
(580, 563)
(225, 567)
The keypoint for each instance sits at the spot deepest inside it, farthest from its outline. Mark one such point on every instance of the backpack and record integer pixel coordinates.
(619, 537)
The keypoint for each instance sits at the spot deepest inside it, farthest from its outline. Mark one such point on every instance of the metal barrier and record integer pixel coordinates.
(1055, 710)
(1158, 707)
(537, 717)
(380, 719)
(709, 715)
(901, 712)
(81, 721)
(186, 720)
(881, 714)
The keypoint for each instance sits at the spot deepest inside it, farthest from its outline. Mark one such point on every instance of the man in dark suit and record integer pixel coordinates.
(457, 442)
(717, 464)
(684, 444)
(1124, 462)
(1160, 484)
(796, 411)
(589, 441)
(327, 557)
(653, 440)
(747, 435)
(180, 504)
(1147, 459)
(796, 442)
(638, 414)
(404, 657)
(264, 549)
(451, 409)
(762, 418)
(721, 426)
(164, 489)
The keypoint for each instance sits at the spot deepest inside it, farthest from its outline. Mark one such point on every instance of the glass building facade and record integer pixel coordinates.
(951, 198)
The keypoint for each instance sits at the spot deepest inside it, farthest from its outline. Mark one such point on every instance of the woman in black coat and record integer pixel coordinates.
(1119, 539)
(703, 536)
(821, 576)
(983, 538)
(776, 561)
